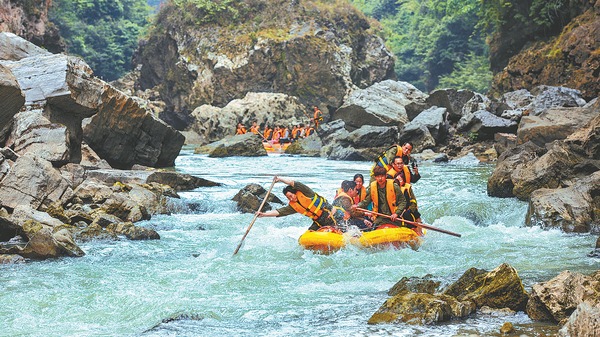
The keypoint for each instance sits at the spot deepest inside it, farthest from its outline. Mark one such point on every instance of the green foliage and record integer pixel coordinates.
(103, 32)
(473, 74)
(429, 37)
(206, 11)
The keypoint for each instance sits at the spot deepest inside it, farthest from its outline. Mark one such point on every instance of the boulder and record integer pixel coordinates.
(420, 308)
(120, 131)
(44, 183)
(500, 183)
(484, 125)
(556, 168)
(35, 134)
(212, 123)
(247, 145)
(427, 129)
(124, 134)
(547, 97)
(133, 232)
(554, 124)
(308, 147)
(424, 284)
(43, 244)
(250, 197)
(24, 213)
(11, 99)
(11, 259)
(382, 104)
(179, 181)
(499, 288)
(9, 229)
(14, 48)
(573, 209)
(584, 321)
(451, 99)
(556, 299)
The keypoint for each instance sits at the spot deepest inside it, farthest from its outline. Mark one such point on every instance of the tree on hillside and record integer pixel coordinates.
(434, 39)
(103, 32)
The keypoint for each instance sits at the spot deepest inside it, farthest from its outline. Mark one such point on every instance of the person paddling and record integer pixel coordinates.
(303, 200)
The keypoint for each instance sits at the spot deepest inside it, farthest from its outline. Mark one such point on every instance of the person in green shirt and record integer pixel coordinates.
(387, 198)
(303, 200)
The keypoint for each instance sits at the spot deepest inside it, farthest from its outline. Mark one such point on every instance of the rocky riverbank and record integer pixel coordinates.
(79, 160)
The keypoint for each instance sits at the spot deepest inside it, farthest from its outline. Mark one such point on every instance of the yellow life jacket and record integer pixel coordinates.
(390, 194)
(406, 188)
(392, 173)
(311, 207)
(383, 161)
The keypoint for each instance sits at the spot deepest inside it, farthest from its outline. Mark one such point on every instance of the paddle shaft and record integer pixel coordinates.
(412, 223)
(255, 216)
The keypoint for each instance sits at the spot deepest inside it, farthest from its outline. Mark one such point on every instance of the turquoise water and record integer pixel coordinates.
(189, 284)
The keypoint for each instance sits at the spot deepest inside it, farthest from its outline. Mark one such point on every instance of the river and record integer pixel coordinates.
(189, 284)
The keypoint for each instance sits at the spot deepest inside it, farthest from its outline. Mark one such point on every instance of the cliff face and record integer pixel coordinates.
(570, 57)
(315, 51)
(29, 20)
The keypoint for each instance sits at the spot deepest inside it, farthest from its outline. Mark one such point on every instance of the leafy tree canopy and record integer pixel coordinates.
(103, 32)
(434, 39)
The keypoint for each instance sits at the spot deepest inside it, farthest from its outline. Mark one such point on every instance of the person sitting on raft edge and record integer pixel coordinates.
(303, 200)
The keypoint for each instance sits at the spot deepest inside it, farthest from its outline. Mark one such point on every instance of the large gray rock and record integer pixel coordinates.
(247, 145)
(584, 321)
(556, 168)
(35, 134)
(451, 99)
(250, 198)
(554, 124)
(124, 134)
(427, 130)
(548, 97)
(43, 183)
(556, 299)
(485, 125)
(14, 48)
(572, 209)
(11, 100)
(382, 104)
(213, 123)
(179, 181)
(500, 183)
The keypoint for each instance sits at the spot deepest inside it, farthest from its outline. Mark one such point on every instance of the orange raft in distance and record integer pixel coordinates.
(276, 147)
(328, 239)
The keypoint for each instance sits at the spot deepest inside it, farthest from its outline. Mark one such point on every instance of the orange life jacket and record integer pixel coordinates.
(390, 194)
(311, 207)
(254, 130)
(295, 132)
(267, 133)
(240, 131)
(362, 194)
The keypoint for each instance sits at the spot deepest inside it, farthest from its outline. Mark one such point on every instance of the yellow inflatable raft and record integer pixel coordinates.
(327, 239)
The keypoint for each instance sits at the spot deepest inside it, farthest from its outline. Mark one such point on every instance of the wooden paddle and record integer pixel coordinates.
(255, 216)
(411, 222)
